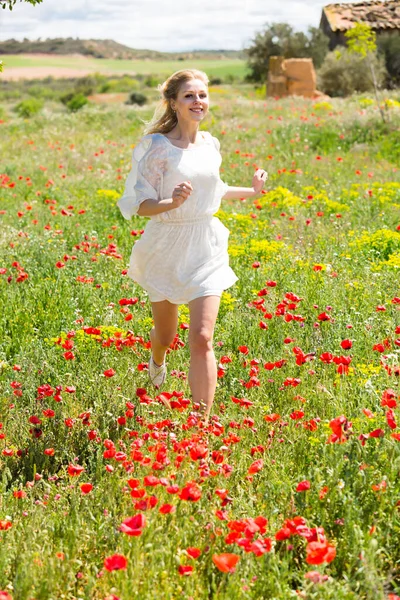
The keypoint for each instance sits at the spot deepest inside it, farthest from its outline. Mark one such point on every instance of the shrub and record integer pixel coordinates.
(151, 81)
(39, 91)
(29, 107)
(122, 84)
(378, 244)
(76, 102)
(137, 98)
(343, 73)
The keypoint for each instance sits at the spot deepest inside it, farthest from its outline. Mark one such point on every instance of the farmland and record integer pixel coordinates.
(293, 489)
(31, 66)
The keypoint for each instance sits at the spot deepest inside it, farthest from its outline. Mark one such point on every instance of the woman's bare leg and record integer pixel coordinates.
(165, 316)
(203, 368)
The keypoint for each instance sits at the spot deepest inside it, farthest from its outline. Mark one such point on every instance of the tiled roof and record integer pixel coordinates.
(377, 14)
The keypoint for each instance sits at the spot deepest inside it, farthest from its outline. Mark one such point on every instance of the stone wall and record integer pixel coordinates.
(291, 77)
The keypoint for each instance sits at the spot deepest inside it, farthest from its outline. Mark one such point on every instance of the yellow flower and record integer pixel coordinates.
(109, 194)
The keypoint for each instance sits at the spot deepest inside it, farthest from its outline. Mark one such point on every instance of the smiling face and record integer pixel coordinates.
(192, 101)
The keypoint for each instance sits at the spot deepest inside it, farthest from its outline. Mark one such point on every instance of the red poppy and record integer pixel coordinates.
(86, 488)
(316, 576)
(377, 433)
(191, 492)
(303, 486)
(256, 466)
(346, 344)
(324, 317)
(368, 413)
(74, 470)
(167, 509)
(272, 418)
(226, 562)
(193, 552)
(185, 569)
(134, 525)
(19, 494)
(320, 552)
(198, 452)
(296, 414)
(116, 562)
(389, 399)
(109, 373)
(326, 357)
(390, 419)
(323, 492)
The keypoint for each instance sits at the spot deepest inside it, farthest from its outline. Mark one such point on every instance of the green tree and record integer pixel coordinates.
(11, 3)
(361, 40)
(279, 39)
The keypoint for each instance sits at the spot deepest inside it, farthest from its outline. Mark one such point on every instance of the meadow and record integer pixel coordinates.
(293, 489)
(214, 68)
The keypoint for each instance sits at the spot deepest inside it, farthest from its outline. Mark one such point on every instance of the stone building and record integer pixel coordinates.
(383, 16)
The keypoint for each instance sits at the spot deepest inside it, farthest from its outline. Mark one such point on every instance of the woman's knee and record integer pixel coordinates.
(201, 339)
(165, 337)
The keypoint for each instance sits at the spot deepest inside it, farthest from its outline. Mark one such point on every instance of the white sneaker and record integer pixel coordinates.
(157, 373)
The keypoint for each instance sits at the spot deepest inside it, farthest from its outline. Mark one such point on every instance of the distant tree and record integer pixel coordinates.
(361, 41)
(11, 3)
(279, 39)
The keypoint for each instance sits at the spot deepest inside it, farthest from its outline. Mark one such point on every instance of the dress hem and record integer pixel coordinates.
(202, 294)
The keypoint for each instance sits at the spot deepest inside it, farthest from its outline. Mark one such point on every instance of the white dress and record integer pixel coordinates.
(183, 253)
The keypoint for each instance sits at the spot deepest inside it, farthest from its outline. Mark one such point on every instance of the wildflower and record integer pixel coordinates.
(185, 569)
(226, 562)
(115, 562)
(167, 509)
(256, 466)
(303, 486)
(346, 344)
(109, 373)
(75, 470)
(319, 553)
(134, 525)
(191, 492)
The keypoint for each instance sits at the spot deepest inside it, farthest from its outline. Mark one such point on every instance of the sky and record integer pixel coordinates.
(166, 26)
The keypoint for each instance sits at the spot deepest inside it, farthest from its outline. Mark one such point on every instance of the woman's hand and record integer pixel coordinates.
(259, 179)
(181, 193)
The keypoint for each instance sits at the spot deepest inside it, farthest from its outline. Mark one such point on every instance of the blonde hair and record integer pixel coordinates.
(164, 118)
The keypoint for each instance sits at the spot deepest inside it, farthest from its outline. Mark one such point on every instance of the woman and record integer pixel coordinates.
(182, 257)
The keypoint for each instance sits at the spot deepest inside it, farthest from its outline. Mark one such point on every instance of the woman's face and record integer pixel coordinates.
(192, 102)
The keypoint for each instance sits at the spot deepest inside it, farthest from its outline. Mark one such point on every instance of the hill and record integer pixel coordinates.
(105, 49)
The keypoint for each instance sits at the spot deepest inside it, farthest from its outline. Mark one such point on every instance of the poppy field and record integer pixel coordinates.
(293, 488)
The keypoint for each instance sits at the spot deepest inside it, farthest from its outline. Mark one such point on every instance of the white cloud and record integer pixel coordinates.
(155, 24)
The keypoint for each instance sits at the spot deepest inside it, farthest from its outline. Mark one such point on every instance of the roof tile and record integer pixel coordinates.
(378, 14)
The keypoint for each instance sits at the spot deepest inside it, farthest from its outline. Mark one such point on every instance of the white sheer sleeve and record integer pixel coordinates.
(145, 177)
(222, 187)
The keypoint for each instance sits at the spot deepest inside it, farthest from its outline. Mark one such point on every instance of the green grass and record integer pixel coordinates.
(212, 67)
(327, 232)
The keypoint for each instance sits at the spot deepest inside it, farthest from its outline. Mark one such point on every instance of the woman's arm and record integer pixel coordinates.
(259, 178)
(149, 208)
(180, 193)
(239, 192)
